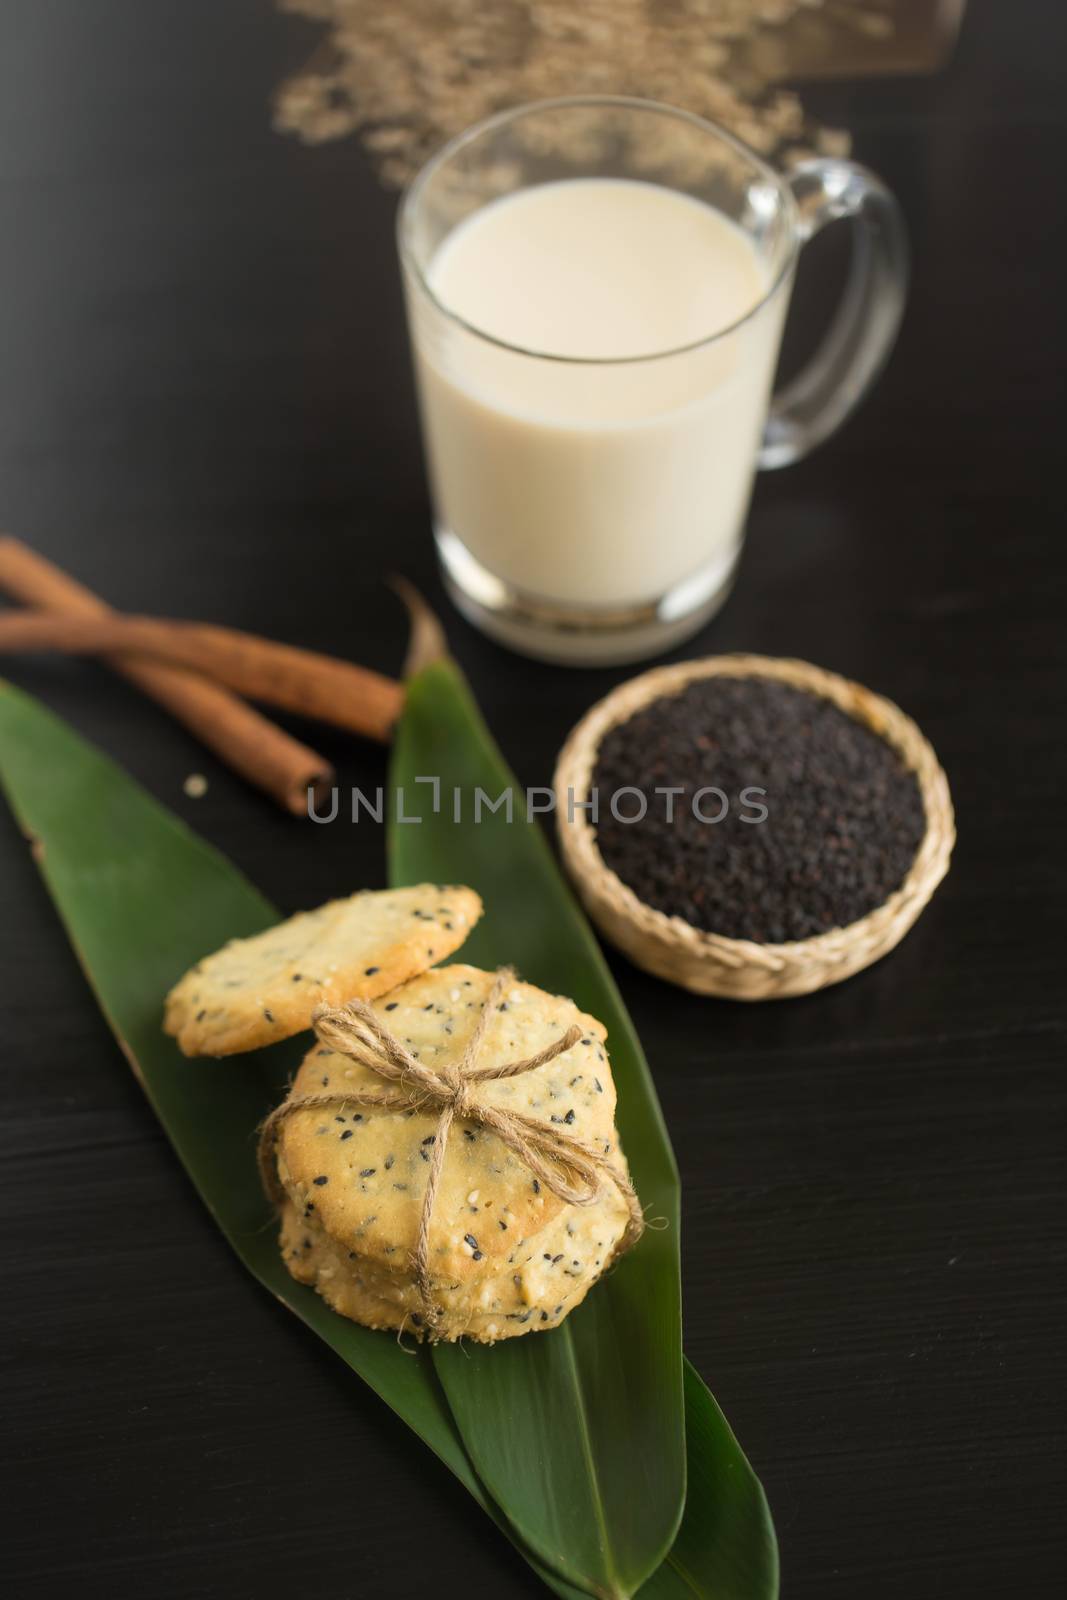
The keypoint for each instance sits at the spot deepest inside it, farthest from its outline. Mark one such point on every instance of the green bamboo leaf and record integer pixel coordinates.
(726, 1548)
(590, 1462)
(589, 1445)
(142, 898)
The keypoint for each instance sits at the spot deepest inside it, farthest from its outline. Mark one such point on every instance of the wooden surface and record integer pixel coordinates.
(205, 410)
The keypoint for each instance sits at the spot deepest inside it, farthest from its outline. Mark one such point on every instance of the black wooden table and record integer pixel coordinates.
(206, 410)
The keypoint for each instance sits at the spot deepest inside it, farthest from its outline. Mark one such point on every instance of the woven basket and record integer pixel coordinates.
(707, 963)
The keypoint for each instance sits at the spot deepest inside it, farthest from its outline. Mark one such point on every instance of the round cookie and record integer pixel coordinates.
(361, 1174)
(538, 1270)
(256, 991)
(548, 1276)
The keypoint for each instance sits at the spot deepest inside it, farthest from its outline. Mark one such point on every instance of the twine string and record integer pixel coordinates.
(569, 1167)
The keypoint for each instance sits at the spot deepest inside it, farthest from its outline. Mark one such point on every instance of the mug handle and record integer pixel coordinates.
(816, 402)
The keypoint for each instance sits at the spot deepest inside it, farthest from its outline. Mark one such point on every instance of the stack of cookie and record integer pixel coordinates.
(446, 1160)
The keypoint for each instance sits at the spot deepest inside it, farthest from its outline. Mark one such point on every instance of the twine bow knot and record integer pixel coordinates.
(569, 1167)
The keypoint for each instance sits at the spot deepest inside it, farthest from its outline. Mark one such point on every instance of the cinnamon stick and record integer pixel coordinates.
(246, 741)
(315, 685)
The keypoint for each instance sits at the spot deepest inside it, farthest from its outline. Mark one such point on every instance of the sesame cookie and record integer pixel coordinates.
(538, 1269)
(361, 1174)
(256, 991)
(542, 1281)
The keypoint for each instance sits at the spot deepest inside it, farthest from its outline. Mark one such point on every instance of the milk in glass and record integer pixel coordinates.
(594, 398)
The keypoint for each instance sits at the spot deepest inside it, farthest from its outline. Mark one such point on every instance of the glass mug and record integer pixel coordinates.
(591, 508)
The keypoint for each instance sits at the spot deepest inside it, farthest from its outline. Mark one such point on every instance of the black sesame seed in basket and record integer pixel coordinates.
(844, 816)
